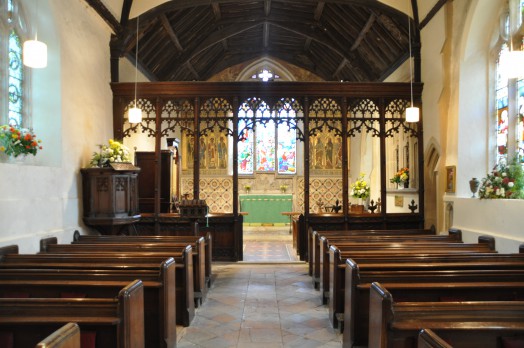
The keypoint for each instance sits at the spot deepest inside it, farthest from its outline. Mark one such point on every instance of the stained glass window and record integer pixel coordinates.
(286, 152)
(15, 80)
(520, 121)
(521, 7)
(502, 109)
(265, 147)
(245, 149)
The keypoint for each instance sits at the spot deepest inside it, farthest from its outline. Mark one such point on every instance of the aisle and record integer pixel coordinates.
(268, 244)
(261, 305)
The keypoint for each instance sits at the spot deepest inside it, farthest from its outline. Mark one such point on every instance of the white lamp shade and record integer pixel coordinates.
(412, 114)
(34, 54)
(513, 63)
(135, 115)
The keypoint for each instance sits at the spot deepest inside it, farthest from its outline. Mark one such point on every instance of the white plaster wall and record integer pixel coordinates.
(500, 218)
(73, 108)
(433, 37)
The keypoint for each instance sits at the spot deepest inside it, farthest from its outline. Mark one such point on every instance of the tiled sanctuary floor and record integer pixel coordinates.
(261, 302)
(260, 305)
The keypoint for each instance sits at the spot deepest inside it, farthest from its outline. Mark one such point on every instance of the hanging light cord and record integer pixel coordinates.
(136, 57)
(410, 67)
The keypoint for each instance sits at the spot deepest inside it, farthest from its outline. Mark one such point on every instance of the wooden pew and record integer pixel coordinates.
(428, 339)
(68, 336)
(335, 263)
(164, 238)
(181, 253)
(118, 322)
(314, 240)
(49, 275)
(322, 266)
(198, 245)
(458, 282)
(467, 323)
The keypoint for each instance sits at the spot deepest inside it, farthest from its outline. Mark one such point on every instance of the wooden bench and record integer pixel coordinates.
(185, 297)
(48, 275)
(118, 322)
(458, 282)
(164, 238)
(198, 245)
(334, 267)
(468, 324)
(160, 310)
(322, 264)
(428, 339)
(314, 240)
(68, 336)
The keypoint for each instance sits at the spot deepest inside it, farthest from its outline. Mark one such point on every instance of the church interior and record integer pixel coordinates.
(296, 172)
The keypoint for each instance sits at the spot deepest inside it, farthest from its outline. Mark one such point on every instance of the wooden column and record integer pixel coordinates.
(235, 155)
(196, 167)
(345, 156)
(158, 161)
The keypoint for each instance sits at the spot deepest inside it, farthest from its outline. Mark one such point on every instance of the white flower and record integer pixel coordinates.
(511, 184)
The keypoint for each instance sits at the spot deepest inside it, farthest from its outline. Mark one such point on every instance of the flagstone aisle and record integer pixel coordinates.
(260, 305)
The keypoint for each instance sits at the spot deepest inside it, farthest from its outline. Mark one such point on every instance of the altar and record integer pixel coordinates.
(266, 208)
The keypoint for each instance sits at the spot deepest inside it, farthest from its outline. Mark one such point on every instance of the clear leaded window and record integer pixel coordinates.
(509, 90)
(15, 78)
(502, 108)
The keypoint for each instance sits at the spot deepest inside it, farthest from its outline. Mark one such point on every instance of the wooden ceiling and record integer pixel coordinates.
(192, 40)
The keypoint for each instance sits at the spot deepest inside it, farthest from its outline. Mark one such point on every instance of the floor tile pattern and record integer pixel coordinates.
(255, 251)
(260, 305)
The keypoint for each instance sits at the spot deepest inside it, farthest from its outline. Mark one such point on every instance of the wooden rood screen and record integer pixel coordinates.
(319, 113)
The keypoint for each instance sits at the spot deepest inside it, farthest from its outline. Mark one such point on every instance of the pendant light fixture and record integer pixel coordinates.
(135, 113)
(412, 113)
(34, 53)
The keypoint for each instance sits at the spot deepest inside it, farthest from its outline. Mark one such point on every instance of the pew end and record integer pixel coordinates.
(428, 339)
(68, 336)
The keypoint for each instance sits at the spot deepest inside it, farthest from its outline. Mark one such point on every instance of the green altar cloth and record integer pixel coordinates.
(266, 208)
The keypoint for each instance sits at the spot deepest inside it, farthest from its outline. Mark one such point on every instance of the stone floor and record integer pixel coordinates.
(260, 305)
(262, 302)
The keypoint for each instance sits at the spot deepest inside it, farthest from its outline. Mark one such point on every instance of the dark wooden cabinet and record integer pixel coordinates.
(145, 160)
(110, 198)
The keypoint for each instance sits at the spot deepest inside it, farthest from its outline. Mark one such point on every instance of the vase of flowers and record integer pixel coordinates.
(283, 188)
(504, 181)
(114, 152)
(247, 187)
(359, 189)
(18, 142)
(401, 178)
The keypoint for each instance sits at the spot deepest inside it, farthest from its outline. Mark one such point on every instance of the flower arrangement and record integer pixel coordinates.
(247, 187)
(114, 152)
(401, 176)
(504, 181)
(18, 141)
(283, 188)
(360, 188)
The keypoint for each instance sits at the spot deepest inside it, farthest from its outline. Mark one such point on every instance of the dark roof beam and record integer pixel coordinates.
(169, 30)
(265, 35)
(190, 67)
(213, 39)
(363, 32)
(267, 7)
(318, 11)
(342, 64)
